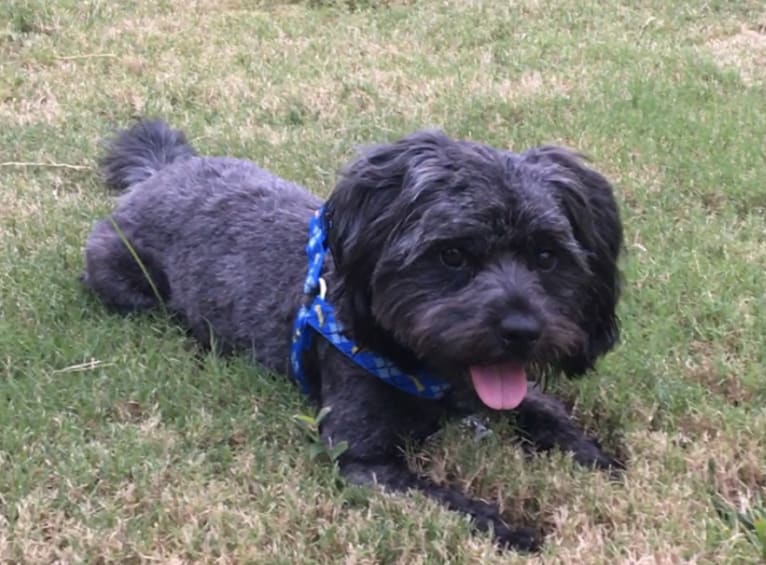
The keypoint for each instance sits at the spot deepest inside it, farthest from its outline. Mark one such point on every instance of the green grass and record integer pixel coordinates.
(119, 443)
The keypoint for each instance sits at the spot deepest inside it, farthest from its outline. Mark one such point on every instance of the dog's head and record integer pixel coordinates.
(476, 261)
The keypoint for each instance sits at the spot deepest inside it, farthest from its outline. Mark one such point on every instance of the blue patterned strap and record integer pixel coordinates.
(318, 314)
(301, 344)
(322, 319)
(315, 251)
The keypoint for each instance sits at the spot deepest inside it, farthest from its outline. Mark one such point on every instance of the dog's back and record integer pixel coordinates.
(216, 240)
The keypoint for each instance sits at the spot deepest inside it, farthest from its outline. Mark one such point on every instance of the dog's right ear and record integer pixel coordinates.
(364, 209)
(588, 200)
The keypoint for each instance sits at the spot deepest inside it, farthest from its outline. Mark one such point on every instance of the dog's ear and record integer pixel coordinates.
(587, 199)
(366, 206)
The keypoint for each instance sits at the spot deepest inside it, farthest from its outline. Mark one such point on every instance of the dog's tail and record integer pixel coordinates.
(135, 154)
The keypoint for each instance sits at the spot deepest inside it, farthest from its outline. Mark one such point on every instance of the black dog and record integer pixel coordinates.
(482, 266)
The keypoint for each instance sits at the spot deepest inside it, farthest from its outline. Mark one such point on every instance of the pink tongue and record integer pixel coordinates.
(501, 387)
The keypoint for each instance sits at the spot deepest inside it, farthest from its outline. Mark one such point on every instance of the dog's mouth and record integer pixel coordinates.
(500, 387)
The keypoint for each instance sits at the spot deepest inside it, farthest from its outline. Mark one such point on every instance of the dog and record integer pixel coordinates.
(482, 268)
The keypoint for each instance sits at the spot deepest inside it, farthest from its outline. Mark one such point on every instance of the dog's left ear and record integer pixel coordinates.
(364, 208)
(587, 198)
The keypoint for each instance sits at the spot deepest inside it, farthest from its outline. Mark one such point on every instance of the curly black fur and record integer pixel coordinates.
(444, 254)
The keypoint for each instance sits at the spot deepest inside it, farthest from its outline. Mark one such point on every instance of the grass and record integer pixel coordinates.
(118, 443)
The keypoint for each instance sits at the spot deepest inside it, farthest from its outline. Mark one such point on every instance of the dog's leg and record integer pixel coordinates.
(394, 476)
(545, 422)
(114, 275)
(374, 418)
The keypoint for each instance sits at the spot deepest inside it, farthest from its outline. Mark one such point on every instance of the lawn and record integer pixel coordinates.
(119, 443)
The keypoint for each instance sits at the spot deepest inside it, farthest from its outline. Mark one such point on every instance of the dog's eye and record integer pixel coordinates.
(453, 258)
(546, 260)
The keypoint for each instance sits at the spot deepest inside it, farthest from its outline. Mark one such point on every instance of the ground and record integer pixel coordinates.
(119, 443)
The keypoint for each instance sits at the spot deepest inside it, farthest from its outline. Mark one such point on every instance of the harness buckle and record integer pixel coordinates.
(322, 288)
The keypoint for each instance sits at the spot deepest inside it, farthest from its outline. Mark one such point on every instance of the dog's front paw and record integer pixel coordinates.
(519, 539)
(486, 518)
(589, 453)
(545, 422)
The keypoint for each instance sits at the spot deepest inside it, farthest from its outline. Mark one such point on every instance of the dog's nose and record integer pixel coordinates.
(520, 329)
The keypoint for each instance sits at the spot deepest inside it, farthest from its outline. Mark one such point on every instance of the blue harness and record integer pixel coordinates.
(318, 315)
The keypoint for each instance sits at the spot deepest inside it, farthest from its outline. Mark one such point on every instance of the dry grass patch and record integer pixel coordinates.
(717, 372)
(44, 107)
(29, 190)
(745, 52)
